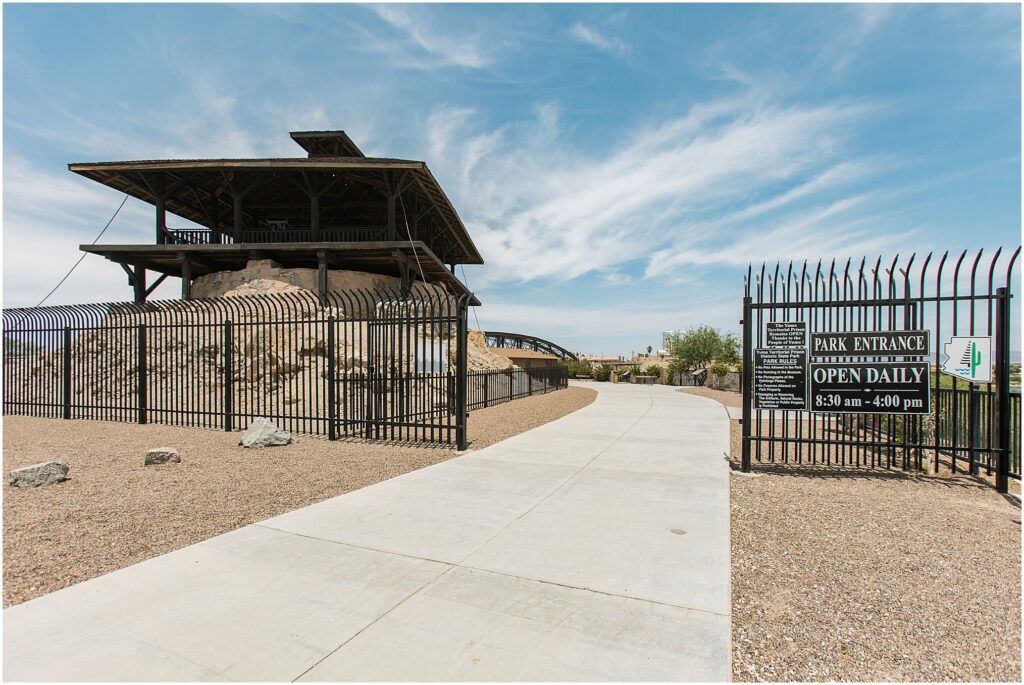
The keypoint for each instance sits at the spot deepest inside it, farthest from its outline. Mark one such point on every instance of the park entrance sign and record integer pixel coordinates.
(840, 365)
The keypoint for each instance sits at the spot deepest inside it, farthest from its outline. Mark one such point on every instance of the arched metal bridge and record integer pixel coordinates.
(518, 341)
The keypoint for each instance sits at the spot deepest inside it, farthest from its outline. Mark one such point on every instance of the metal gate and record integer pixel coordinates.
(969, 426)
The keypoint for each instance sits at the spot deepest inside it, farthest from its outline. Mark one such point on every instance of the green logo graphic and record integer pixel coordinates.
(972, 358)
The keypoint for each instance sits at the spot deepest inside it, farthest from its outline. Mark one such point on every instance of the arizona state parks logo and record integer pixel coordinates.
(969, 357)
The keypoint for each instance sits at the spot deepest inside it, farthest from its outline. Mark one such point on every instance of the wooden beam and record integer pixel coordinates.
(156, 284)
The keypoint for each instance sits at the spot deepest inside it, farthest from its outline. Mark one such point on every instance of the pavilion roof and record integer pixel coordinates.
(197, 185)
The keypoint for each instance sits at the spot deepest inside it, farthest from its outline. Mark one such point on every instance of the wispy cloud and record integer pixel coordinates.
(444, 48)
(685, 190)
(595, 38)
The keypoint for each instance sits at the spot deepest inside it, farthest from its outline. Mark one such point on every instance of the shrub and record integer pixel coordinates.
(603, 373)
(653, 370)
(579, 368)
(675, 367)
(718, 369)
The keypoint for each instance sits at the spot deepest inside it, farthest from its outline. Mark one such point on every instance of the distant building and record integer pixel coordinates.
(667, 337)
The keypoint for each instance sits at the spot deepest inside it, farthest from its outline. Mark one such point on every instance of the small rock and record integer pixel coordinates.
(263, 433)
(39, 474)
(162, 455)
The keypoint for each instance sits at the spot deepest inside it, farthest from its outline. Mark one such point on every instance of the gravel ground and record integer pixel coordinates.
(113, 511)
(729, 399)
(861, 574)
(867, 575)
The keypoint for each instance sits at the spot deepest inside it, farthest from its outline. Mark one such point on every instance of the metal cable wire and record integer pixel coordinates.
(477, 318)
(84, 254)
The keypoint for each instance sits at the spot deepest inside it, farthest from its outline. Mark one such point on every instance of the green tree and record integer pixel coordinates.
(698, 347)
(603, 373)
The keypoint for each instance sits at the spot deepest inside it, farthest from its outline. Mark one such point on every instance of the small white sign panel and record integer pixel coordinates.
(969, 357)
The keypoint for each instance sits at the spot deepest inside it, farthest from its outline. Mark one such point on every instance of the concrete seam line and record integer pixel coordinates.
(353, 545)
(561, 485)
(597, 592)
(360, 631)
(452, 565)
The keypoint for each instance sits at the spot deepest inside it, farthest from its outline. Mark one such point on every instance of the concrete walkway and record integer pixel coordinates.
(595, 547)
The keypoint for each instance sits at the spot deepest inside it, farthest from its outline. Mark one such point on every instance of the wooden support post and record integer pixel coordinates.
(186, 275)
(392, 195)
(313, 189)
(161, 220)
(321, 281)
(215, 221)
(414, 224)
(237, 224)
(314, 216)
(139, 284)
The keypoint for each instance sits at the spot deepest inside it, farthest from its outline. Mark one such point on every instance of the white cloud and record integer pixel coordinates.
(592, 36)
(46, 216)
(685, 190)
(460, 49)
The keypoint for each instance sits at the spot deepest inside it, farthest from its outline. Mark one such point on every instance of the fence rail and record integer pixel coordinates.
(490, 388)
(375, 365)
(369, 365)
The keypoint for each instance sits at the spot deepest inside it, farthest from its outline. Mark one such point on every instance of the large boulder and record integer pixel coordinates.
(45, 473)
(162, 455)
(263, 433)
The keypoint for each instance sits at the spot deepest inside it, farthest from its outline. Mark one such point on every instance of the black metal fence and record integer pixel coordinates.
(967, 427)
(489, 388)
(367, 365)
(970, 426)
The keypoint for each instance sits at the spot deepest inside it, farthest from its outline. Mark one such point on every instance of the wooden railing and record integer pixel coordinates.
(204, 236)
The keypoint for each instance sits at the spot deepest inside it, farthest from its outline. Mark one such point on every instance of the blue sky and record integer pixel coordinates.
(618, 166)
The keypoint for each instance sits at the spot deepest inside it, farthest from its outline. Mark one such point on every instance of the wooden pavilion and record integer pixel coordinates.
(336, 208)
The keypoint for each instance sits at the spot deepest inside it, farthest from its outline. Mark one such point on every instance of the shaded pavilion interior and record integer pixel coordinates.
(333, 209)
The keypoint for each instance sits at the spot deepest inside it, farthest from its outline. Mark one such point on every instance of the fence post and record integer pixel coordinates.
(332, 411)
(746, 381)
(67, 372)
(529, 384)
(973, 419)
(487, 377)
(462, 378)
(1003, 387)
(143, 379)
(511, 383)
(229, 357)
